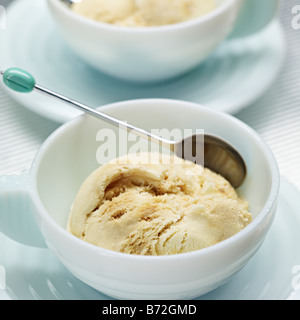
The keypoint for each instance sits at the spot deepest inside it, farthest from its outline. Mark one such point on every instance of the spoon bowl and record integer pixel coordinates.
(218, 155)
(70, 2)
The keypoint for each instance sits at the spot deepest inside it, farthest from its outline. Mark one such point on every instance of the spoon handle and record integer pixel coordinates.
(21, 81)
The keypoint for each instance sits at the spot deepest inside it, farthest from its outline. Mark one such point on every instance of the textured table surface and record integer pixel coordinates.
(275, 116)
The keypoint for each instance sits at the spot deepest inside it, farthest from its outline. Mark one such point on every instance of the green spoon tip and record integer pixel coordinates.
(18, 80)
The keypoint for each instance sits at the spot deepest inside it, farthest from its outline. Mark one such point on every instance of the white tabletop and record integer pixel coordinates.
(275, 116)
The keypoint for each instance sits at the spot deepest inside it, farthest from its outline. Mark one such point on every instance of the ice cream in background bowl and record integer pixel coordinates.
(155, 40)
(71, 154)
(143, 13)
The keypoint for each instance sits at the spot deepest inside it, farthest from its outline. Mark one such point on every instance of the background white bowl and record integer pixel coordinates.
(145, 54)
(69, 156)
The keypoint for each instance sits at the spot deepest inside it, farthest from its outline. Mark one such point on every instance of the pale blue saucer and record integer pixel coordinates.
(237, 74)
(272, 273)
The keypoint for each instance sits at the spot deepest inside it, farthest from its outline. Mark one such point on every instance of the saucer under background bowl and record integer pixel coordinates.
(235, 76)
(33, 273)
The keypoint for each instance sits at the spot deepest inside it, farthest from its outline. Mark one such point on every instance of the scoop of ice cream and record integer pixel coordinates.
(141, 13)
(156, 209)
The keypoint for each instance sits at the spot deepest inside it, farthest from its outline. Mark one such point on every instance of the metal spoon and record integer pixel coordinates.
(219, 155)
(70, 2)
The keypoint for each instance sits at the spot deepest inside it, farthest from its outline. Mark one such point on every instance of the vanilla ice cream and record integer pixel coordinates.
(156, 209)
(143, 13)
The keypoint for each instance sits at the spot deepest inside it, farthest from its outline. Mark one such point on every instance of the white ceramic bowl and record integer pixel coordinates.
(69, 155)
(158, 53)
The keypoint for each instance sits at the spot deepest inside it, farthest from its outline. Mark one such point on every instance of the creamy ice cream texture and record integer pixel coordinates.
(143, 13)
(156, 209)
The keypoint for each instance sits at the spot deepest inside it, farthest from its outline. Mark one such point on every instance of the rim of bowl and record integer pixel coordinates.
(219, 247)
(125, 29)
